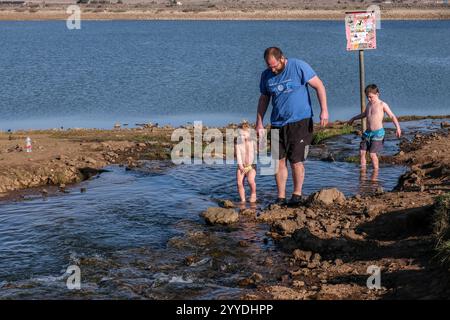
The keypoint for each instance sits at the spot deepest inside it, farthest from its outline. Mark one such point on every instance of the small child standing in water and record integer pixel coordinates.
(245, 148)
(373, 137)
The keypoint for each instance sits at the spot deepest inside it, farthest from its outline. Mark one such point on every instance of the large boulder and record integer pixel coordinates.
(220, 216)
(327, 196)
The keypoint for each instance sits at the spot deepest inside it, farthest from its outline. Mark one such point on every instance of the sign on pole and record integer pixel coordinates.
(360, 29)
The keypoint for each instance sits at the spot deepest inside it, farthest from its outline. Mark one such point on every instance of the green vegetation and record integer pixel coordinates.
(324, 134)
(441, 223)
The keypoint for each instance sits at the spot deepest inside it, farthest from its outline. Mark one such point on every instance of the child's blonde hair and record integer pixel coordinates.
(244, 125)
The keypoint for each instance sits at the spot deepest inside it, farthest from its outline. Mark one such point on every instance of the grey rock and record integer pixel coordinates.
(220, 216)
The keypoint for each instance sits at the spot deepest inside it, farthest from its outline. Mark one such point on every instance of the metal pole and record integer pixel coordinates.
(362, 85)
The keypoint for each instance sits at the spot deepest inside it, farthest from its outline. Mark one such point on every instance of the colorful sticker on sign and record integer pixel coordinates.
(360, 28)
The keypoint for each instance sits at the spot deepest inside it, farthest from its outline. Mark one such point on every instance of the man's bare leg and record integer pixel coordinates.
(281, 178)
(298, 175)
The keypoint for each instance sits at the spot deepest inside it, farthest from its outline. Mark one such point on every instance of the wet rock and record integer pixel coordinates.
(256, 277)
(372, 210)
(268, 261)
(220, 216)
(301, 255)
(298, 283)
(338, 262)
(286, 227)
(252, 280)
(226, 204)
(190, 260)
(327, 196)
(247, 212)
(243, 244)
(275, 215)
(310, 213)
(330, 228)
(352, 235)
(329, 158)
(90, 161)
(445, 124)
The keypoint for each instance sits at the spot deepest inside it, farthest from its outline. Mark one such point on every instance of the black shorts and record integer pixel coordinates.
(294, 140)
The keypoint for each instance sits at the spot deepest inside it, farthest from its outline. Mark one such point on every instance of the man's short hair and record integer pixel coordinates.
(371, 88)
(274, 52)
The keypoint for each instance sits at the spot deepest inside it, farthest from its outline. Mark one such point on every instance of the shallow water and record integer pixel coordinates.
(120, 231)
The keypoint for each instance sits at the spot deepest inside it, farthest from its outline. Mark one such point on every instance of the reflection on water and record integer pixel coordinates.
(369, 183)
(127, 230)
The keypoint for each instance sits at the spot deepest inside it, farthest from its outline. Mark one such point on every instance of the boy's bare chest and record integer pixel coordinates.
(375, 111)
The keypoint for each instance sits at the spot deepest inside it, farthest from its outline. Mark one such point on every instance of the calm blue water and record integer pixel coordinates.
(179, 71)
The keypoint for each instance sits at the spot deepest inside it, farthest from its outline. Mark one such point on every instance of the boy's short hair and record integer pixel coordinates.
(371, 88)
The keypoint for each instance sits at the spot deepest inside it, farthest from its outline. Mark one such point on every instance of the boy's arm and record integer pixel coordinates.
(394, 119)
(359, 116)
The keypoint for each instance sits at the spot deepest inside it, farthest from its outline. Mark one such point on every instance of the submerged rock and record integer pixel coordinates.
(220, 216)
(226, 204)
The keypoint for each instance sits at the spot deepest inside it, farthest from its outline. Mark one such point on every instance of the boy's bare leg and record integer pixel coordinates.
(362, 159)
(281, 178)
(298, 175)
(374, 158)
(240, 185)
(251, 182)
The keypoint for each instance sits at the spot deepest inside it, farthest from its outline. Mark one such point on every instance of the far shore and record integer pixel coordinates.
(23, 14)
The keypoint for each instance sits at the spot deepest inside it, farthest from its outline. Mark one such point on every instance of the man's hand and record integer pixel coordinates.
(398, 133)
(324, 118)
(260, 131)
(241, 168)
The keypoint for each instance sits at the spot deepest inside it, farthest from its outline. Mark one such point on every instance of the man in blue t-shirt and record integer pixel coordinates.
(286, 82)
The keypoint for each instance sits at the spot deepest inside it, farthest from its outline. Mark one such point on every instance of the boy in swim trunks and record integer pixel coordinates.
(373, 137)
(245, 154)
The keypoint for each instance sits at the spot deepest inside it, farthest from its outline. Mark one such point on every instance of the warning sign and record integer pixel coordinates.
(360, 28)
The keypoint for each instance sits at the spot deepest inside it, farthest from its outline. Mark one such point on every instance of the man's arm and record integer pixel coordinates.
(317, 84)
(263, 103)
(394, 119)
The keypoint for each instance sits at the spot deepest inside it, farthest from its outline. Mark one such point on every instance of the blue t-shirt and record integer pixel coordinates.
(289, 92)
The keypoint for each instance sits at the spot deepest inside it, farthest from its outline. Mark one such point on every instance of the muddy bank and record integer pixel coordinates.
(330, 245)
(62, 157)
(224, 10)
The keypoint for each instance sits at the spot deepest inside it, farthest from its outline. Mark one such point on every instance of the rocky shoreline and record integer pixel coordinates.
(330, 242)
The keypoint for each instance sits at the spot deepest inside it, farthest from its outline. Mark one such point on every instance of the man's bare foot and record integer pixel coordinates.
(253, 198)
